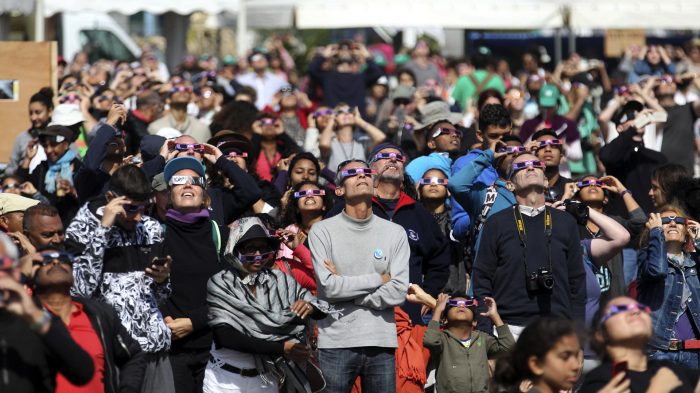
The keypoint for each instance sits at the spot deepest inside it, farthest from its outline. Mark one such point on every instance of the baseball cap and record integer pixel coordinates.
(58, 133)
(10, 203)
(177, 164)
(549, 94)
(158, 183)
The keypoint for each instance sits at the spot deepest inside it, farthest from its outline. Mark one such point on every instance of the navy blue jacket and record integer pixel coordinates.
(429, 265)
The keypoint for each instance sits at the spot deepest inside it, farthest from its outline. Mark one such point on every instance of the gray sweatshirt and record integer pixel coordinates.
(361, 250)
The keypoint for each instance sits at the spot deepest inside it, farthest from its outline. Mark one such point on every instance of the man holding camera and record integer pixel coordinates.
(530, 257)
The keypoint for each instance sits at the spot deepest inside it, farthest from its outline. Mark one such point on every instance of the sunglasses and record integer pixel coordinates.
(433, 180)
(389, 156)
(309, 193)
(267, 121)
(194, 180)
(206, 94)
(287, 90)
(69, 98)
(48, 257)
(324, 112)
(511, 149)
(666, 79)
(620, 308)
(677, 220)
(587, 183)
(180, 89)
(447, 131)
(68, 86)
(528, 164)
(237, 154)
(463, 303)
(549, 142)
(256, 258)
(622, 90)
(344, 174)
(11, 187)
(107, 98)
(343, 112)
(198, 147)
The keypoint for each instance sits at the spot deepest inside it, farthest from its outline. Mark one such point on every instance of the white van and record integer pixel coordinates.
(96, 32)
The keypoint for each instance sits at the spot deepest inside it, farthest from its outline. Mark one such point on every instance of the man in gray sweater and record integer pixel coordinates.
(361, 265)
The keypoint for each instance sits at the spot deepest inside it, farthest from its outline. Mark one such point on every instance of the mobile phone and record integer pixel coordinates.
(642, 120)
(160, 261)
(619, 367)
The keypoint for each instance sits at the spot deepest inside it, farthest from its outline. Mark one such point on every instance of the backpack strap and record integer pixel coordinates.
(480, 86)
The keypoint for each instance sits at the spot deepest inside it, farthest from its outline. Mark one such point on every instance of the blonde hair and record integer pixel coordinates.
(688, 245)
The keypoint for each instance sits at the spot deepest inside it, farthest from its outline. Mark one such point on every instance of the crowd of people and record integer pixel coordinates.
(419, 225)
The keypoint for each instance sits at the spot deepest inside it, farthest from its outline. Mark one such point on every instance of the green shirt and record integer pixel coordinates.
(465, 89)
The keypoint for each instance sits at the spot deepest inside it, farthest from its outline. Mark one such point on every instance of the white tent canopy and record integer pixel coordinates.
(128, 7)
(635, 14)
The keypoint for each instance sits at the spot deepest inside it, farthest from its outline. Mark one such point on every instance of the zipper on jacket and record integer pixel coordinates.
(5, 373)
(104, 348)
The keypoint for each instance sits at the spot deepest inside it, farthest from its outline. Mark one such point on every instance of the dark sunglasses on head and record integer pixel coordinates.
(193, 180)
(247, 258)
(389, 156)
(677, 220)
(198, 147)
(549, 142)
(620, 308)
(433, 180)
(528, 164)
(49, 256)
(308, 193)
(511, 149)
(324, 112)
(587, 183)
(463, 303)
(447, 131)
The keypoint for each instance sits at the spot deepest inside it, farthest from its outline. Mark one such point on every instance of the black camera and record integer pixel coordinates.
(578, 210)
(542, 280)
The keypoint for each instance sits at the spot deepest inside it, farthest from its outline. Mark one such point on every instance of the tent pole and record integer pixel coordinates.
(39, 20)
(241, 27)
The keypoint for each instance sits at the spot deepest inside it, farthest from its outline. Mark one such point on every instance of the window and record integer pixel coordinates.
(103, 44)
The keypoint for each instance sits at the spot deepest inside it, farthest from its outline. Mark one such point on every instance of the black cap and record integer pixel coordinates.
(227, 140)
(57, 132)
(259, 232)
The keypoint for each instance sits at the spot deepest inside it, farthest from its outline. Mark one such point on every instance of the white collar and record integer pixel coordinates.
(531, 211)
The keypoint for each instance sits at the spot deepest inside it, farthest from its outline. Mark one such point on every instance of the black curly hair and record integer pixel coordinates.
(292, 215)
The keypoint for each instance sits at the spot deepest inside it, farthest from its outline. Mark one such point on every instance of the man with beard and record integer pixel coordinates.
(95, 327)
(265, 83)
(430, 256)
(678, 138)
(178, 99)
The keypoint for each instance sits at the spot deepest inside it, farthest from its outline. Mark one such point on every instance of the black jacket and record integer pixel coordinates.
(67, 205)
(29, 361)
(632, 163)
(125, 363)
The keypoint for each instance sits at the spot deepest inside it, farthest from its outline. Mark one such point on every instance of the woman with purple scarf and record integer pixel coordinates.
(193, 240)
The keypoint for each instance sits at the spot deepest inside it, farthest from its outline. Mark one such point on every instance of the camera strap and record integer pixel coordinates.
(520, 224)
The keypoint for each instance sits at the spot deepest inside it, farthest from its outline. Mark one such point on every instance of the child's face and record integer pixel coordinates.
(561, 367)
(459, 314)
(433, 191)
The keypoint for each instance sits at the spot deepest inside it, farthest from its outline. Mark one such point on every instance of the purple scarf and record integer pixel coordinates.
(188, 218)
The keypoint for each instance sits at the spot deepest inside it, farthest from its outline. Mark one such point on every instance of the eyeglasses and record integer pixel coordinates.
(622, 90)
(287, 90)
(198, 147)
(667, 79)
(389, 156)
(193, 180)
(265, 256)
(70, 98)
(587, 183)
(344, 174)
(206, 94)
(106, 98)
(346, 162)
(267, 121)
(48, 257)
(549, 142)
(237, 154)
(511, 149)
(677, 220)
(11, 187)
(463, 303)
(528, 164)
(433, 180)
(343, 112)
(180, 89)
(620, 308)
(447, 131)
(129, 207)
(324, 112)
(309, 193)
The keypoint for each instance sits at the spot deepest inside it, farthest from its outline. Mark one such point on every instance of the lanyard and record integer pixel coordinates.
(520, 224)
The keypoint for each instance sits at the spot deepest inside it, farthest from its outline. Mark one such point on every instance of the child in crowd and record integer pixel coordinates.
(459, 351)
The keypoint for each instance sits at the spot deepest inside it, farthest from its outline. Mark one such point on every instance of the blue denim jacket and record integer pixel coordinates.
(660, 286)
